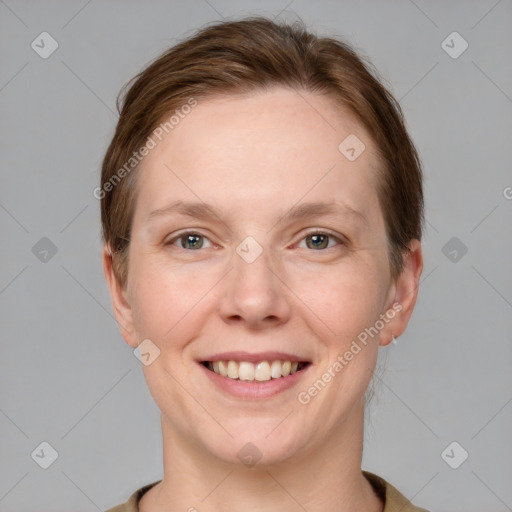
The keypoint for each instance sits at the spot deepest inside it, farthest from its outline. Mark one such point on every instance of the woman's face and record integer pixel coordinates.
(291, 264)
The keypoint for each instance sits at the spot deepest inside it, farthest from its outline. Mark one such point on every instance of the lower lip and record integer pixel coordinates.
(254, 389)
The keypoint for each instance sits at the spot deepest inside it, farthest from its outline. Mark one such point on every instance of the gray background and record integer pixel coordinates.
(66, 375)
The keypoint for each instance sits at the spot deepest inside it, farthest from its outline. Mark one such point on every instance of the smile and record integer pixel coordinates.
(261, 371)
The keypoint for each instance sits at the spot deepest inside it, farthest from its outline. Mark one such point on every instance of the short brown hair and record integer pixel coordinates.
(252, 54)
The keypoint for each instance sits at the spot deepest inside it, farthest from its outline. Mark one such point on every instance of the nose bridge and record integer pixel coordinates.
(251, 273)
(255, 293)
(251, 264)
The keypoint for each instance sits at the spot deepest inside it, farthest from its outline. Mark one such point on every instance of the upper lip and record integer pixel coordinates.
(254, 357)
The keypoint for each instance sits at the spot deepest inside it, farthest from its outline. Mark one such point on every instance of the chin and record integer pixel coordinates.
(252, 449)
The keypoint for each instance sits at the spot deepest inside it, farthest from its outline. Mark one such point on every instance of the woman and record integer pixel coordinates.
(262, 212)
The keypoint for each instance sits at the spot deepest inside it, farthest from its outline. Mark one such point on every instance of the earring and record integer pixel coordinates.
(393, 339)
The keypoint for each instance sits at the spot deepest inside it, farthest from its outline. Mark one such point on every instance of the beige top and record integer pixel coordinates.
(393, 500)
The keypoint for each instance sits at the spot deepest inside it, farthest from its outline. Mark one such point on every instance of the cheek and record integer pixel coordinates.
(349, 307)
(347, 298)
(165, 298)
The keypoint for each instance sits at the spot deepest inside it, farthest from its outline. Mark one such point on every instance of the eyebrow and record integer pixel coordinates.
(301, 211)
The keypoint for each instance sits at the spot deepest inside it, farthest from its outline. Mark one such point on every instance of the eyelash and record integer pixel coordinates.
(310, 233)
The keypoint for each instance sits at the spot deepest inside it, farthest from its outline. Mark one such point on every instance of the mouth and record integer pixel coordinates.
(260, 371)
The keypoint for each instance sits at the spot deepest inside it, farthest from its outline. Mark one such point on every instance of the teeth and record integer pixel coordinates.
(233, 370)
(223, 369)
(261, 371)
(245, 370)
(275, 369)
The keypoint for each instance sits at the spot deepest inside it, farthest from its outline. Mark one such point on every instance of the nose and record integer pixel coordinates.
(255, 294)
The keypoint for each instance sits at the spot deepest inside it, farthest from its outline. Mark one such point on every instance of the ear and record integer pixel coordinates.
(403, 295)
(119, 297)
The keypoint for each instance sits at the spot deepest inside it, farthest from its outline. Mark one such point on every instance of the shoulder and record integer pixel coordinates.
(394, 500)
(132, 505)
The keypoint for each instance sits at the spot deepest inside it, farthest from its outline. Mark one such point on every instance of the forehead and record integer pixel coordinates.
(267, 148)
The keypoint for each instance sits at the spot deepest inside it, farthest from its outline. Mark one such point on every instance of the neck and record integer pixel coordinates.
(324, 478)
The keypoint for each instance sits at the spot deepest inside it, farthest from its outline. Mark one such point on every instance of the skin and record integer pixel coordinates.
(253, 157)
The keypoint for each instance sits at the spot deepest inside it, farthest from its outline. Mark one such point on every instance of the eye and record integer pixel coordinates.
(320, 240)
(188, 240)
